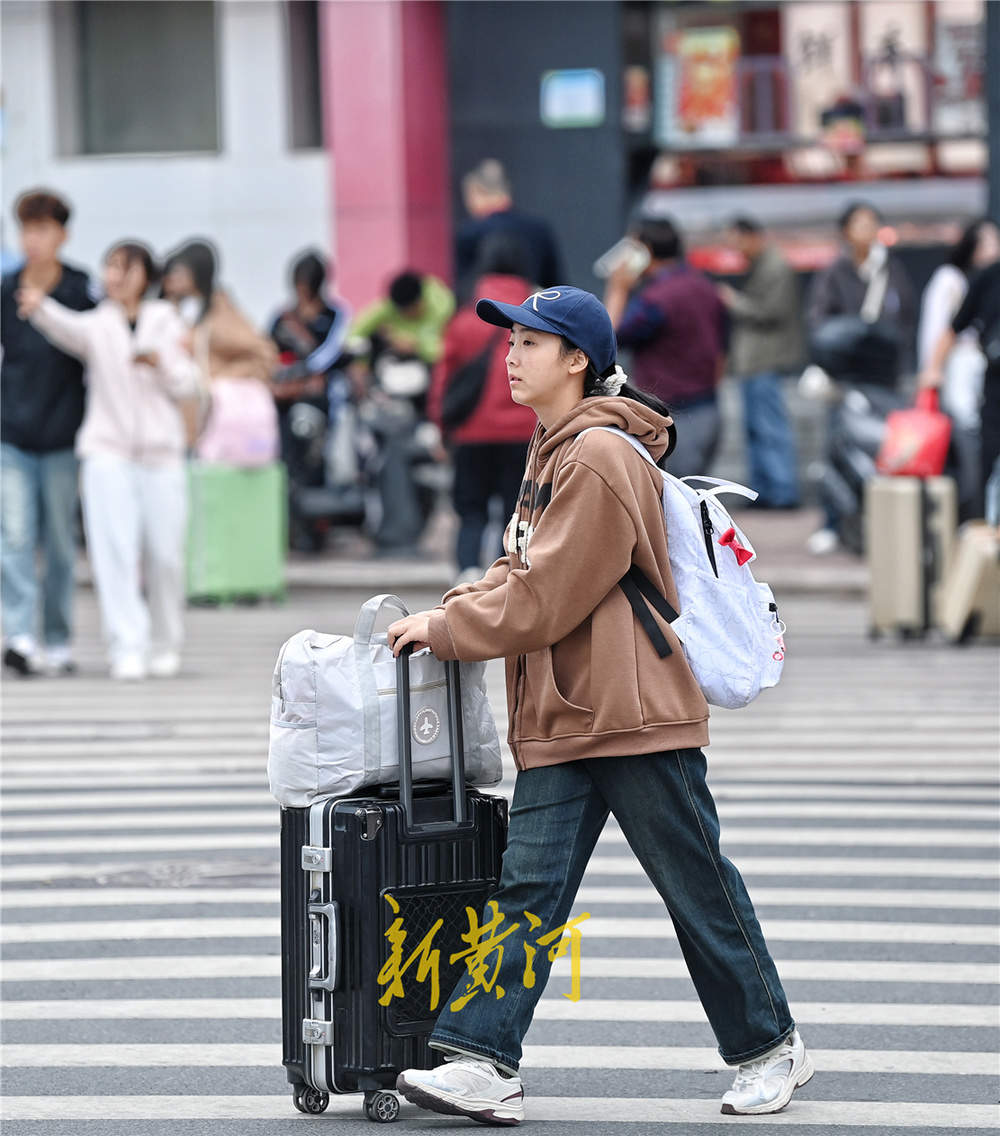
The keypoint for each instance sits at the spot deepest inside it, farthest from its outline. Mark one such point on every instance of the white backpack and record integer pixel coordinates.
(728, 622)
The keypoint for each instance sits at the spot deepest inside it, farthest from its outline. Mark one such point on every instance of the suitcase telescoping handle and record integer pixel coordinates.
(457, 745)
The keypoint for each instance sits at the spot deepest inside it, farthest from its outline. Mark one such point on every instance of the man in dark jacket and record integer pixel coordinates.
(766, 343)
(675, 327)
(41, 408)
(489, 203)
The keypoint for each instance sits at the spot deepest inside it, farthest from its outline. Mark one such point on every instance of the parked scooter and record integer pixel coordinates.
(321, 444)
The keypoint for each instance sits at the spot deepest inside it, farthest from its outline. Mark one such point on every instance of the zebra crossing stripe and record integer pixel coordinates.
(942, 1015)
(73, 804)
(600, 1110)
(81, 898)
(751, 867)
(142, 841)
(596, 927)
(150, 968)
(229, 1055)
(822, 866)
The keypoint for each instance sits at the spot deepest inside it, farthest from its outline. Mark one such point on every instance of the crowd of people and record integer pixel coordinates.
(114, 387)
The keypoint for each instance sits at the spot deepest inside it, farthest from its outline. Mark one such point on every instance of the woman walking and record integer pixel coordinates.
(599, 722)
(131, 445)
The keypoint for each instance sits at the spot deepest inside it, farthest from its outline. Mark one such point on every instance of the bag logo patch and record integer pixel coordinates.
(426, 726)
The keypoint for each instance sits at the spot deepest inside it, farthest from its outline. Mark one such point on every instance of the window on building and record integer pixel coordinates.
(145, 77)
(304, 89)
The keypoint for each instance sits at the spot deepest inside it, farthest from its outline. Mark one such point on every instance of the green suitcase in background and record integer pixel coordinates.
(237, 532)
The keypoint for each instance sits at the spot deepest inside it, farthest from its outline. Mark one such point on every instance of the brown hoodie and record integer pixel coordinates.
(583, 679)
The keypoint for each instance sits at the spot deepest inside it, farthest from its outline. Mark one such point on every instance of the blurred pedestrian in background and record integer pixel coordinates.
(488, 199)
(489, 445)
(866, 271)
(398, 340)
(860, 314)
(403, 334)
(980, 311)
(962, 382)
(310, 336)
(41, 408)
(675, 328)
(766, 343)
(236, 360)
(132, 449)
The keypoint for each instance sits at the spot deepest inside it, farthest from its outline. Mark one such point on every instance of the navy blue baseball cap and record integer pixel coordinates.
(562, 310)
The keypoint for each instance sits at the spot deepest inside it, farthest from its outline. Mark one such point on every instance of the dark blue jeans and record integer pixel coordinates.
(665, 809)
(770, 441)
(37, 511)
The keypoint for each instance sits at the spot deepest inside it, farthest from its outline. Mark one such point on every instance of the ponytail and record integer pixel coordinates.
(594, 386)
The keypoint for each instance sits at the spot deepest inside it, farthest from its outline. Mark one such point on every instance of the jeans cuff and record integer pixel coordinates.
(445, 1043)
(759, 1050)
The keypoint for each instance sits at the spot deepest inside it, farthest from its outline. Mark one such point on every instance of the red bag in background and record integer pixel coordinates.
(916, 440)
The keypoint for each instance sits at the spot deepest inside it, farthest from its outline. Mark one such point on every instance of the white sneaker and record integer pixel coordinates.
(767, 1084)
(128, 668)
(59, 661)
(465, 1086)
(823, 542)
(165, 664)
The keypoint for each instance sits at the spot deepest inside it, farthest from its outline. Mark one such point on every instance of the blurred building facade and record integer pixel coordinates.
(166, 120)
(270, 126)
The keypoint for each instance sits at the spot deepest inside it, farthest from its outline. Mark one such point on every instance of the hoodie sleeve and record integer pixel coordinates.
(64, 328)
(582, 547)
(177, 372)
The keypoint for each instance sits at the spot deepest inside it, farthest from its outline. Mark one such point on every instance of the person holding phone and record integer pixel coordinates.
(131, 446)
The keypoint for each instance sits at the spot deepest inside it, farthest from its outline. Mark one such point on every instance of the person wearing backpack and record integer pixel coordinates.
(601, 721)
(469, 400)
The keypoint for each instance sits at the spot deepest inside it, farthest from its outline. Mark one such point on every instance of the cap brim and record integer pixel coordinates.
(506, 315)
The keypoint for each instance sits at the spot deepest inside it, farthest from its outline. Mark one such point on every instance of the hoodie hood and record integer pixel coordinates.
(656, 431)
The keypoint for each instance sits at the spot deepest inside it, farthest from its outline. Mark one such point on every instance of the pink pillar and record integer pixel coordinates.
(386, 124)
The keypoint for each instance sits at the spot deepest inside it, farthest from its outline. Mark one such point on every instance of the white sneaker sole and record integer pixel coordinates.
(438, 1100)
(779, 1102)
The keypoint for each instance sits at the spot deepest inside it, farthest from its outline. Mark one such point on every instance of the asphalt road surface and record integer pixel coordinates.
(140, 914)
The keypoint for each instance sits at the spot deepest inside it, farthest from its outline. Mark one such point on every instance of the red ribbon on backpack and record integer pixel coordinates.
(728, 540)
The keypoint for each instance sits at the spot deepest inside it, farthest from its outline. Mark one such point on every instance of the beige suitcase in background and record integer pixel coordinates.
(970, 596)
(910, 525)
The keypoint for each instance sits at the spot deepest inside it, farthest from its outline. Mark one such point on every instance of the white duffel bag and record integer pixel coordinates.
(333, 715)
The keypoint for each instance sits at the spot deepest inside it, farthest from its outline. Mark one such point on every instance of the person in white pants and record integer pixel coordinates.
(131, 447)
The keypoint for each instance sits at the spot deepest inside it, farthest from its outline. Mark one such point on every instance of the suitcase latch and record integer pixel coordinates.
(316, 859)
(371, 820)
(316, 1032)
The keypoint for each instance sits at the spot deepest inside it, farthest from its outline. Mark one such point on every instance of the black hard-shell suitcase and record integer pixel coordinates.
(436, 850)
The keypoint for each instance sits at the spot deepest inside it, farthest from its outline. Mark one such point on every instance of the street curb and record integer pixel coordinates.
(382, 576)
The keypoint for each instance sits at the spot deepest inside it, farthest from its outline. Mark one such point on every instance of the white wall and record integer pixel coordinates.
(258, 200)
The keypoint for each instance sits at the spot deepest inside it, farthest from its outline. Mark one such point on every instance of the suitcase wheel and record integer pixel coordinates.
(310, 1100)
(382, 1107)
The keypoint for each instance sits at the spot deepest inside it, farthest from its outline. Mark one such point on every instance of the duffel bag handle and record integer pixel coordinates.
(369, 613)
(456, 745)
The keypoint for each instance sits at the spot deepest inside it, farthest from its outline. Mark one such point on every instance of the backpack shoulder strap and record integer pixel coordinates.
(632, 440)
(720, 486)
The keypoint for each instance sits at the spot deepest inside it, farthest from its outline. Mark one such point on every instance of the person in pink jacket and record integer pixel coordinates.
(131, 446)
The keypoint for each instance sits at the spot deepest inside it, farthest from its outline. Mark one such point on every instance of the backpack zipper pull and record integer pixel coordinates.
(709, 531)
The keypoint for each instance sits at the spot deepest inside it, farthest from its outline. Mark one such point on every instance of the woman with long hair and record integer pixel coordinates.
(131, 446)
